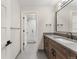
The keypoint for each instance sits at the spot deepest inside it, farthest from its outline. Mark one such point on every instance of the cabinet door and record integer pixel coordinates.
(59, 56)
(59, 51)
(46, 45)
(73, 55)
(52, 52)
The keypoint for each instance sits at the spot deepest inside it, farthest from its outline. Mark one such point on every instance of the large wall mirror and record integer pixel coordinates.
(67, 18)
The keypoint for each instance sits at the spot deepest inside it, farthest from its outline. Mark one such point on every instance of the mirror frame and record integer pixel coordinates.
(56, 15)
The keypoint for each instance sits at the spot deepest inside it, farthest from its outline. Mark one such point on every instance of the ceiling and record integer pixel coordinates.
(34, 3)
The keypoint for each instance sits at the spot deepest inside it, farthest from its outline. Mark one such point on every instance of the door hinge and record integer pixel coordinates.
(23, 44)
(23, 30)
(23, 17)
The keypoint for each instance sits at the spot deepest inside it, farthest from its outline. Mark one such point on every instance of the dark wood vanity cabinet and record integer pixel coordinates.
(46, 46)
(50, 52)
(73, 55)
(56, 51)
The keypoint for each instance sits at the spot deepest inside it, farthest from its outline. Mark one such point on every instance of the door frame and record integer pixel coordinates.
(22, 15)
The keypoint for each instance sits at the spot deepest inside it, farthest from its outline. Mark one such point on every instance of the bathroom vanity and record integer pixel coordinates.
(63, 46)
(58, 47)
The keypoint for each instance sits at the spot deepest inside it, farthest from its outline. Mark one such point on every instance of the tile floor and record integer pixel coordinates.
(31, 53)
(41, 55)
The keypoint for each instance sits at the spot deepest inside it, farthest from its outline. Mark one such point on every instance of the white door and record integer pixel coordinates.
(5, 31)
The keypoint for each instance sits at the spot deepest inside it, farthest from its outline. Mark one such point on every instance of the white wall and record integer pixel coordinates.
(45, 16)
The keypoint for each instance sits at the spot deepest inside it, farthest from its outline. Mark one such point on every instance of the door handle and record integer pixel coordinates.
(8, 43)
(32, 31)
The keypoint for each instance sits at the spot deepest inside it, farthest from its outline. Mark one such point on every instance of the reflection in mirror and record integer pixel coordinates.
(67, 18)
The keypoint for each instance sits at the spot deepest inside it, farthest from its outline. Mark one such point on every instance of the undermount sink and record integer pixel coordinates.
(58, 36)
(64, 40)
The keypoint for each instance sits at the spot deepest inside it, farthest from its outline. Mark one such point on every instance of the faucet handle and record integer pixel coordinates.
(69, 35)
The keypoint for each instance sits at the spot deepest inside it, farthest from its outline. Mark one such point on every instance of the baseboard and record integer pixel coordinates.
(18, 54)
(40, 49)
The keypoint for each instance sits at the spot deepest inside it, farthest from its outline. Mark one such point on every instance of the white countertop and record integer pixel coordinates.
(64, 41)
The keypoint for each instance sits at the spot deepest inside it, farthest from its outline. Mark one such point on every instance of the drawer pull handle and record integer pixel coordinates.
(53, 52)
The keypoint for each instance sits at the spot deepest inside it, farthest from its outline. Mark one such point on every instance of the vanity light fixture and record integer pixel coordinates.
(64, 0)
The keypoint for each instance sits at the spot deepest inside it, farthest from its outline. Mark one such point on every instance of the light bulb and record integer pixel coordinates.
(59, 4)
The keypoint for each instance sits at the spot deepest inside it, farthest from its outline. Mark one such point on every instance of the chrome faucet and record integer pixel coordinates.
(70, 35)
